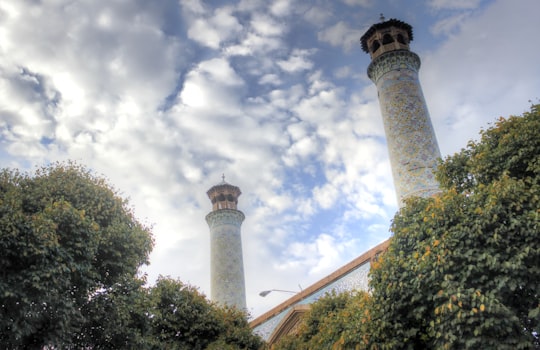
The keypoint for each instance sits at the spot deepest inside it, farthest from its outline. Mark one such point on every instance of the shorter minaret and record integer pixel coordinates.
(227, 285)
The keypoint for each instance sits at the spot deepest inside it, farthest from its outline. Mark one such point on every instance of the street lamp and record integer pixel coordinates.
(266, 292)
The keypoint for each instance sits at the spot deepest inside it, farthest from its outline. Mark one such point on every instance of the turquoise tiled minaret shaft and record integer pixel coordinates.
(227, 285)
(411, 140)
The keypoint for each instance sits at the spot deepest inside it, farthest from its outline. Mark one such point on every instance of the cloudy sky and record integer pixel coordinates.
(164, 96)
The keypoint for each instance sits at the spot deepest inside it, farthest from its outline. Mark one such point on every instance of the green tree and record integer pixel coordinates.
(118, 317)
(335, 321)
(168, 315)
(236, 332)
(70, 250)
(182, 318)
(65, 235)
(463, 268)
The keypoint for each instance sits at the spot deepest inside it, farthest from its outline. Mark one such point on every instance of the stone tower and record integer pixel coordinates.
(412, 144)
(227, 286)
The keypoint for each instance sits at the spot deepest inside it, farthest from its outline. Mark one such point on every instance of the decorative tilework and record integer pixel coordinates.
(225, 217)
(226, 265)
(266, 329)
(393, 60)
(356, 279)
(411, 140)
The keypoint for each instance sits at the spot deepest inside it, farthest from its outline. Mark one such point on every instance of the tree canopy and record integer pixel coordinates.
(462, 270)
(184, 319)
(335, 321)
(65, 234)
(168, 315)
(70, 249)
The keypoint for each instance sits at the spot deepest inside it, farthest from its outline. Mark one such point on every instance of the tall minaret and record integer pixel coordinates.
(412, 144)
(227, 286)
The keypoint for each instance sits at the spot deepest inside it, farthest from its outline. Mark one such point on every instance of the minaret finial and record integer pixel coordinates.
(382, 18)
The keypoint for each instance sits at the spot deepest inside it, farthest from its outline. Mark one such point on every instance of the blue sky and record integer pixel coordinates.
(163, 97)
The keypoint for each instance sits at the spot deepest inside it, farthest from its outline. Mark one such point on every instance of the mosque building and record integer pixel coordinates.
(413, 152)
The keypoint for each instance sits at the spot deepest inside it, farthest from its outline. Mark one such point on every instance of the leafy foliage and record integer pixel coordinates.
(117, 318)
(168, 315)
(65, 234)
(182, 318)
(335, 321)
(463, 268)
(70, 250)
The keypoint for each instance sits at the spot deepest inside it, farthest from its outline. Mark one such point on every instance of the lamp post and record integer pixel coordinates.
(266, 292)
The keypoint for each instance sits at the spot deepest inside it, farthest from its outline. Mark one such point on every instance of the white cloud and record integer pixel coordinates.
(65, 85)
(212, 86)
(326, 195)
(480, 74)
(449, 25)
(340, 34)
(322, 108)
(219, 70)
(203, 32)
(255, 45)
(250, 5)
(193, 6)
(216, 29)
(237, 50)
(286, 98)
(297, 61)
(300, 150)
(362, 3)
(193, 95)
(271, 79)
(343, 72)
(318, 256)
(453, 4)
(317, 15)
(281, 8)
(266, 26)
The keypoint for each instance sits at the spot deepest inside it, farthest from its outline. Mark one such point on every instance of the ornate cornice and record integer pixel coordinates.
(383, 25)
(392, 60)
(225, 216)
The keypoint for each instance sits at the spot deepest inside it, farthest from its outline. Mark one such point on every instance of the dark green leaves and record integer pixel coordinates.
(69, 253)
(463, 269)
(64, 235)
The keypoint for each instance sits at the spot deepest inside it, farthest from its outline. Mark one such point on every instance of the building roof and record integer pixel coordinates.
(298, 298)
